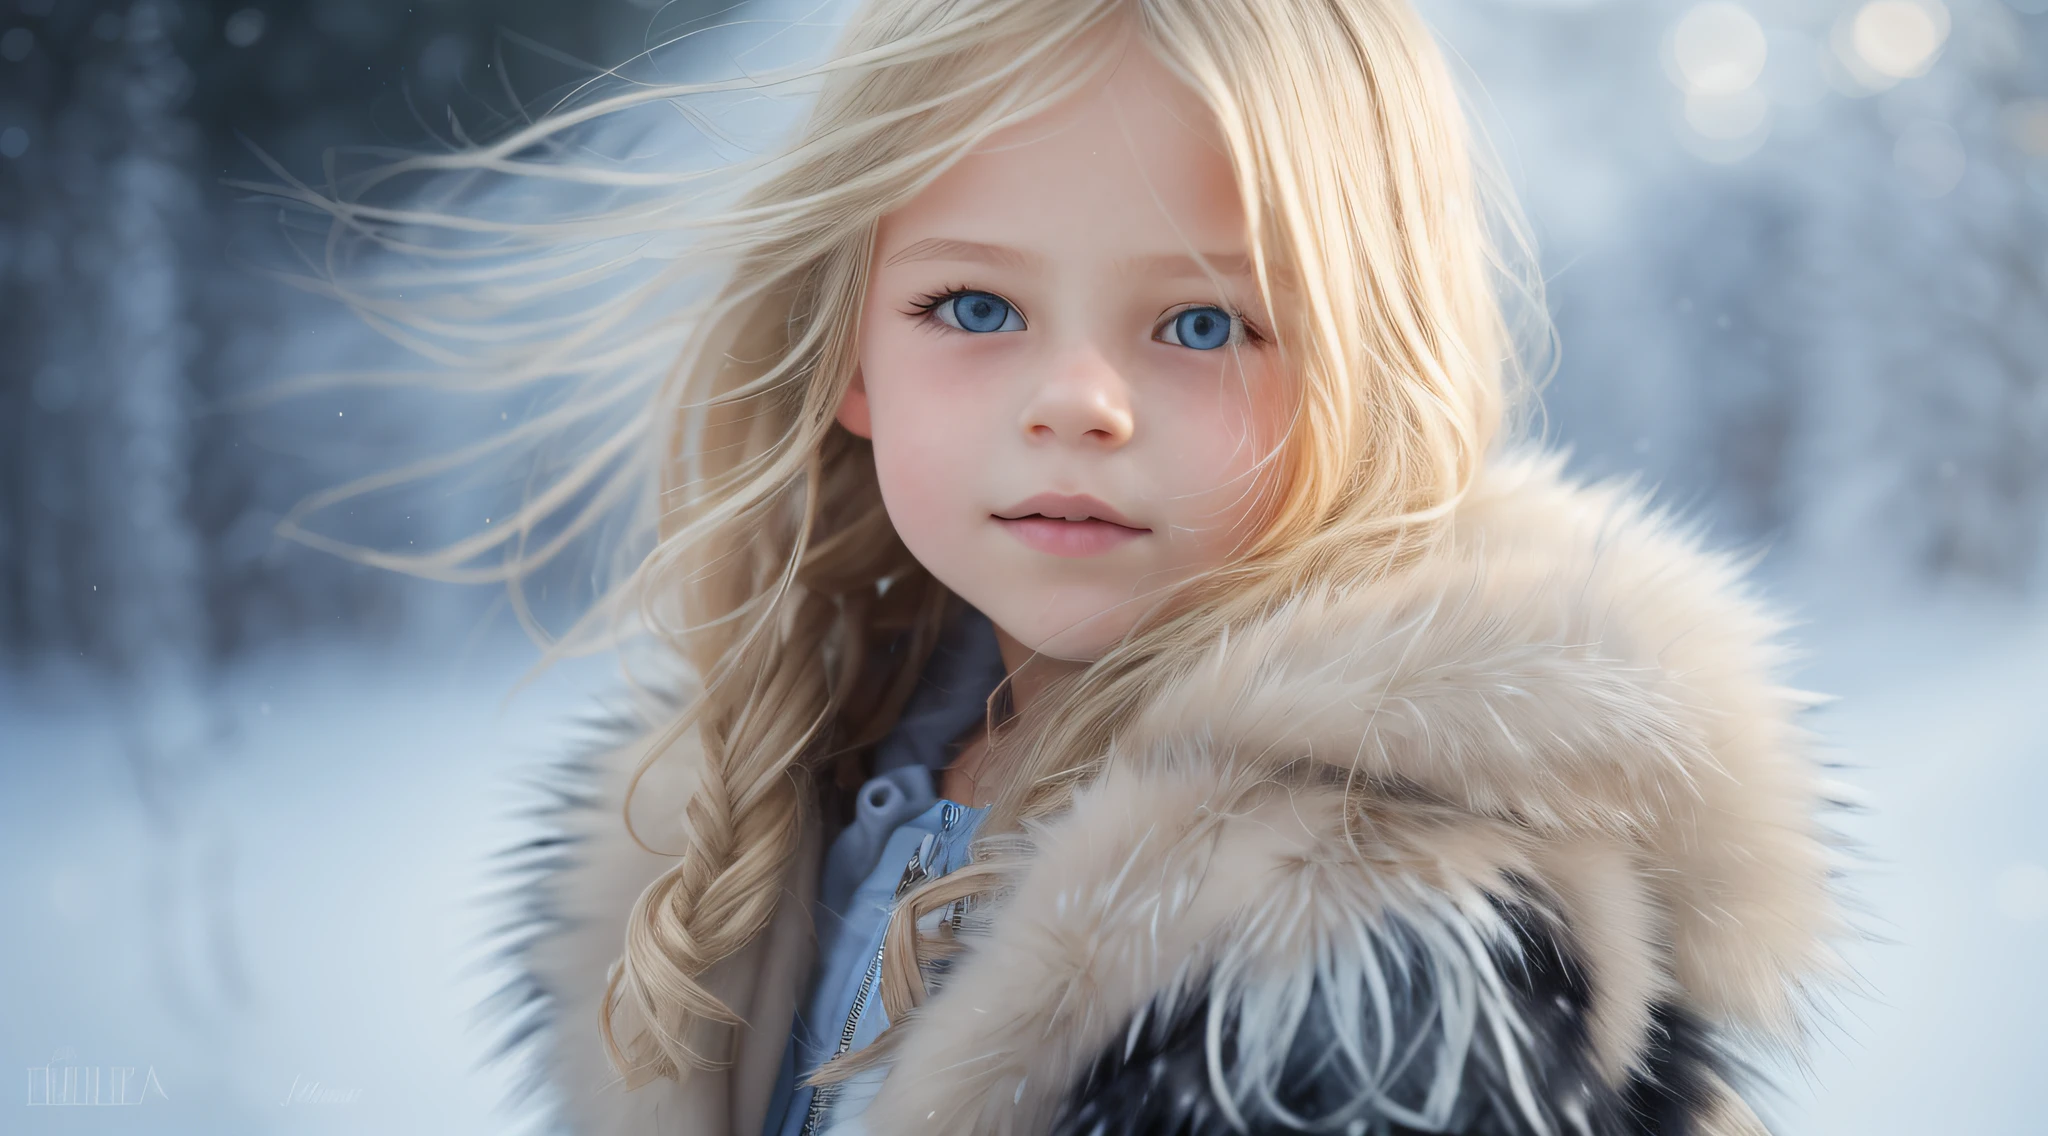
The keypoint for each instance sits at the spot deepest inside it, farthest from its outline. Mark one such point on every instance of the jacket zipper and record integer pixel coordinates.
(822, 1095)
(914, 873)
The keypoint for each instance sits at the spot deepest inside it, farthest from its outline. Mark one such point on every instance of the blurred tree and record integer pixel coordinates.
(135, 507)
(1806, 297)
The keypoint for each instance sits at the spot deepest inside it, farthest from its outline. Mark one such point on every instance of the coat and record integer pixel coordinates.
(1515, 840)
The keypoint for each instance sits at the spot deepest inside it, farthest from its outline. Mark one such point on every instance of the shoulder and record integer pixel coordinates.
(1506, 843)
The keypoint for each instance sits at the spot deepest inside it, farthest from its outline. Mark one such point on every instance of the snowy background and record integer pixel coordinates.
(1798, 256)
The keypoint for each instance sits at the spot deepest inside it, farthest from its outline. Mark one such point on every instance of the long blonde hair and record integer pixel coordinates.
(774, 573)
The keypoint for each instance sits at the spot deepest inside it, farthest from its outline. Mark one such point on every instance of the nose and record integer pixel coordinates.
(1083, 402)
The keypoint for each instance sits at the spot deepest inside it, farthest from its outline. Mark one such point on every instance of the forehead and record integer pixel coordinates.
(1130, 167)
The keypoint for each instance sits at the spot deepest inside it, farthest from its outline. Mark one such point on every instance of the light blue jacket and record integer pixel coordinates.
(901, 835)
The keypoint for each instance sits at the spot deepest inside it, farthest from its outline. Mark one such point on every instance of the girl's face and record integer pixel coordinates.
(1068, 416)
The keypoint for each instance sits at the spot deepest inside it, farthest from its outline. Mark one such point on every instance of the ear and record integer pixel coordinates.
(853, 408)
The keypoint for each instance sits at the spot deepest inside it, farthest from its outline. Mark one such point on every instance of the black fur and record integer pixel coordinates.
(1161, 1086)
(521, 1011)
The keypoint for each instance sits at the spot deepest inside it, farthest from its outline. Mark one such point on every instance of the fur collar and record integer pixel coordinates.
(1568, 690)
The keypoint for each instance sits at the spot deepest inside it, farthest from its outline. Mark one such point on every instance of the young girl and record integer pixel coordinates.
(1137, 682)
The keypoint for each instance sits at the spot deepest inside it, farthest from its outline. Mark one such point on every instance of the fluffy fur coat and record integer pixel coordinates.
(1514, 842)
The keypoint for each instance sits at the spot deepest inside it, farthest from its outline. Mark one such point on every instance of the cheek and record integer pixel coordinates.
(917, 469)
(923, 453)
(1231, 428)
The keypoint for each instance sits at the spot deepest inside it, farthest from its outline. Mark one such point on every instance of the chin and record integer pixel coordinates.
(1072, 648)
(1075, 639)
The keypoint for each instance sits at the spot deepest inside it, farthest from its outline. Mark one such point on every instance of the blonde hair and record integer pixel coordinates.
(774, 573)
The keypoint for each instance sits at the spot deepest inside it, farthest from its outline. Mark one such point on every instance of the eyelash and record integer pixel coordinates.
(921, 307)
(921, 310)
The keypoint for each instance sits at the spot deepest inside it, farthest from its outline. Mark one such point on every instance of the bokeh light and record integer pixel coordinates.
(1716, 53)
(1929, 154)
(2026, 123)
(1717, 48)
(1885, 41)
(1728, 117)
(244, 28)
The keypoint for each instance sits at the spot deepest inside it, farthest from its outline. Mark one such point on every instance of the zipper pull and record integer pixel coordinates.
(918, 869)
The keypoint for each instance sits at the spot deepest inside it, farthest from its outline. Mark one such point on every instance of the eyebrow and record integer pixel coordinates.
(1171, 265)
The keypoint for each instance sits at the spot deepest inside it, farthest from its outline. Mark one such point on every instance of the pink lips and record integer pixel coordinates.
(1041, 523)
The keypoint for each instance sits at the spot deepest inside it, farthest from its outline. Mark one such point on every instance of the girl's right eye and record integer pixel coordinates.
(978, 312)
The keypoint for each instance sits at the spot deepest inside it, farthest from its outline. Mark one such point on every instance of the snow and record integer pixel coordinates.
(341, 840)
(1941, 718)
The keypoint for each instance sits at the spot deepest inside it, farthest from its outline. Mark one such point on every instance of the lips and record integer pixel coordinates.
(1073, 508)
(1060, 524)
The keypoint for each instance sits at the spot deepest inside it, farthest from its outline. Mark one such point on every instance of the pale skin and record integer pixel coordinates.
(1035, 325)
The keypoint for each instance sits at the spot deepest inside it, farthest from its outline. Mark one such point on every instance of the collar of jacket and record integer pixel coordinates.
(1568, 690)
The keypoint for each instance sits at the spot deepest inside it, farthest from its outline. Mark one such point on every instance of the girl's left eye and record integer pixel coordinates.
(1202, 328)
(978, 312)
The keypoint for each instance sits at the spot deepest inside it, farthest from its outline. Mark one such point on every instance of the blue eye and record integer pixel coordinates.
(1204, 329)
(977, 312)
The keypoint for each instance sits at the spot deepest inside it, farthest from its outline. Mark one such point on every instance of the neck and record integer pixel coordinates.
(1029, 674)
(1030, 671)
